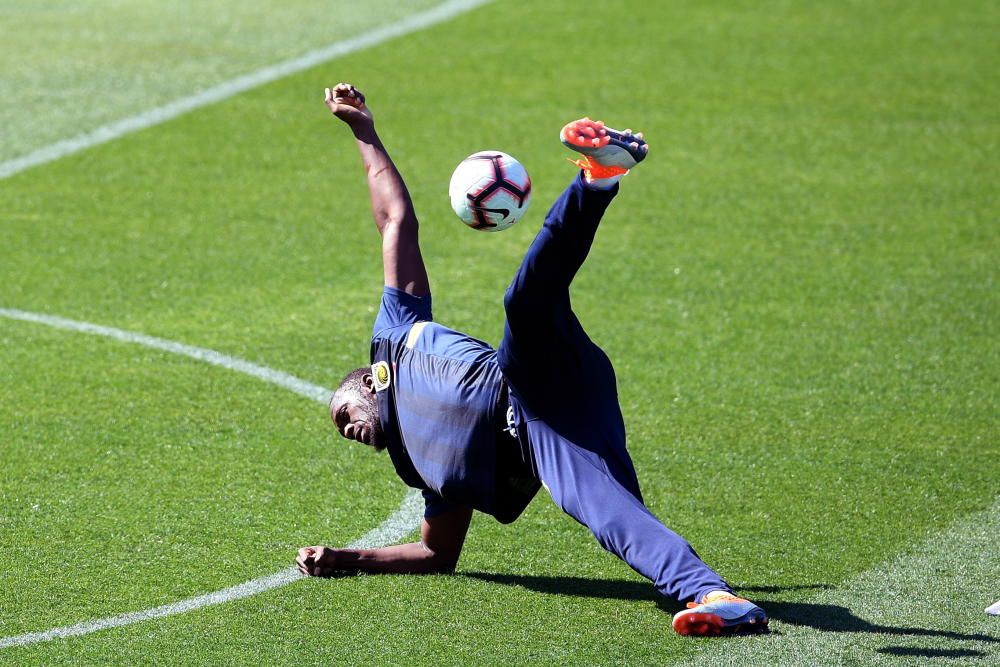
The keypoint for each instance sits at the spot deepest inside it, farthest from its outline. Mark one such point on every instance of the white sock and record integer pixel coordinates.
(602, 183)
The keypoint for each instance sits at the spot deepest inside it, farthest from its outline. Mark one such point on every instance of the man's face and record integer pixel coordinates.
(354, 412)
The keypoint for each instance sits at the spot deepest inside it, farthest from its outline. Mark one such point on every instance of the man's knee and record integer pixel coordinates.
(610, 531)
(521, 306)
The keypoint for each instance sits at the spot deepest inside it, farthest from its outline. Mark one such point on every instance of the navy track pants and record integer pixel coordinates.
(563, 389)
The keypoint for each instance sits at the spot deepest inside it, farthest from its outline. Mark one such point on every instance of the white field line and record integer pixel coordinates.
(141, 121)
(293, 384)
(401, 523)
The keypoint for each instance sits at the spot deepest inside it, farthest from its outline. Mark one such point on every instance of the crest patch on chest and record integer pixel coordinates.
(380, 376)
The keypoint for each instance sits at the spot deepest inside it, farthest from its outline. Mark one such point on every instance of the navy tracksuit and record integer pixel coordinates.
(563, 394)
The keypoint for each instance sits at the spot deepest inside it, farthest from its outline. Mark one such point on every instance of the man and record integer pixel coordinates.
(477, 428)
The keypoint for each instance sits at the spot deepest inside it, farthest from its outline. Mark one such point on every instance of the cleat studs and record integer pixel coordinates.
(640, 135)
(595, 141)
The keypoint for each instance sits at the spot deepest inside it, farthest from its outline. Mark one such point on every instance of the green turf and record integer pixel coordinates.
(798, 289)
(881, 615)
(69, 67)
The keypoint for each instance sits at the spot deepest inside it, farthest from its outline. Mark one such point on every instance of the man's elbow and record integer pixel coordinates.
(445, 566)
(440, 562)
(396, 220)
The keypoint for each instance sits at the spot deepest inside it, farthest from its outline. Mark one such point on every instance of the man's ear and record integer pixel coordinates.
(369, 382)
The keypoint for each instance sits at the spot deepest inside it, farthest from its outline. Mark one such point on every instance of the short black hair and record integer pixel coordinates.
(354, 381)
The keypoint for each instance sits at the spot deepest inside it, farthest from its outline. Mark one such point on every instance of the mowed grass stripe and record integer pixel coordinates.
(72, 67)
(155, 116)
(923, 607)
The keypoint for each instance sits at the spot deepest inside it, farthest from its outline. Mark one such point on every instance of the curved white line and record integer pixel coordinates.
(105, 133)
(402, 522)
(289, 382)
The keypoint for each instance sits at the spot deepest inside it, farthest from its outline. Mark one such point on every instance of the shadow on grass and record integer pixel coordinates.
(834, 618)
(614, 589)
(823, 617)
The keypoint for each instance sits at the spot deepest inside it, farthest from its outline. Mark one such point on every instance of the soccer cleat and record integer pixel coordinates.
(602, 146)
(720, 613)
(596, 171)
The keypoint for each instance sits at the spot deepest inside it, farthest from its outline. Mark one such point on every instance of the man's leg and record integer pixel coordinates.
(563, 386)
(549, 362)
(544, 346)
(537, 301)
(561, 245)
(581, 483)
(567, 386)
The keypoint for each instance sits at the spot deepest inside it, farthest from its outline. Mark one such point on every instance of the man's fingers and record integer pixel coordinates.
(347, 92)
(306, 557)
(309, 562)
(348, 101)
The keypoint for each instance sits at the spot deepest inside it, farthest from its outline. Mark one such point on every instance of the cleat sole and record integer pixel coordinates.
(696, 624)
(609, 147)
(582, 134)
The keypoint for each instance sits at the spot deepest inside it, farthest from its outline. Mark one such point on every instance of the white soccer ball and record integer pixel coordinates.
(490, 191)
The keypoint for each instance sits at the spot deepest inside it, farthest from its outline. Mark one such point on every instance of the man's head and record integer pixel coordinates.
(354, 410)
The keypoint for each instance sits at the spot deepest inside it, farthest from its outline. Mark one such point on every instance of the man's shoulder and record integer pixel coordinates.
(393, 333)
(434, 339)
(398, 311)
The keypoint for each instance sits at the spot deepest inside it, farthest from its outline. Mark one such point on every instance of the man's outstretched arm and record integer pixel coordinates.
(391, 205)
(441, 540)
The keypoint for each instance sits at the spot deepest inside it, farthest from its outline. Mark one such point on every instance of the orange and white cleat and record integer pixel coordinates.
(602, 146)
(720, 613)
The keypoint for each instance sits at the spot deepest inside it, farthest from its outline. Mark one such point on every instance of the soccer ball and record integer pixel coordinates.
(490, 191)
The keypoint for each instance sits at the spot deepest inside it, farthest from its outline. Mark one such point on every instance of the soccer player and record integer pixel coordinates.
(481, 429)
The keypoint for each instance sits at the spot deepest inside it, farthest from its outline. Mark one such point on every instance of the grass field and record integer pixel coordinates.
(798, 288)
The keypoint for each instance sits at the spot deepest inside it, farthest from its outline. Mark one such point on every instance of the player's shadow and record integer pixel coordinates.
(823, 617)
(834, 618)
(614, 589)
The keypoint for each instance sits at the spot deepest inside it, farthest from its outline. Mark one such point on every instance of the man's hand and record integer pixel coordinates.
(441, 539)
(317, 561)
(348, 104)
